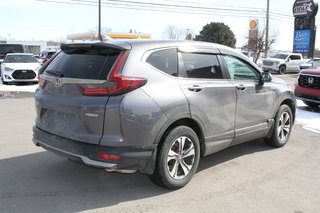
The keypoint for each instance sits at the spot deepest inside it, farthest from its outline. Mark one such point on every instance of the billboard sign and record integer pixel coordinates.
(302, 8)
(301, 42)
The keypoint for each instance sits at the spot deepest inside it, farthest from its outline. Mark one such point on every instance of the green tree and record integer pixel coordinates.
(217, 33)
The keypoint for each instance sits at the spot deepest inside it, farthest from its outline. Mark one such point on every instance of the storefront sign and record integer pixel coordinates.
(302, 8)
(301, 42)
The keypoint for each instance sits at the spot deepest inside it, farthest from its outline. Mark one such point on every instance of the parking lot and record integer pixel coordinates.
(251, 177)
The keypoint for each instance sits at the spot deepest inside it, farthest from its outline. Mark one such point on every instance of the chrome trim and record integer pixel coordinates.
(62, 81)
(311, 75)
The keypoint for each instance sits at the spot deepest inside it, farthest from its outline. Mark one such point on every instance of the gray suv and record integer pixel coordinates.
(156, 106)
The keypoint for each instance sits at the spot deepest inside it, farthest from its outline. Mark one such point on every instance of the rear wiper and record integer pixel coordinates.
(54, 72)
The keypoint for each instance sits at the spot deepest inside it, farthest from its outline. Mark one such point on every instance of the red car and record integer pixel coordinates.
(307, 87)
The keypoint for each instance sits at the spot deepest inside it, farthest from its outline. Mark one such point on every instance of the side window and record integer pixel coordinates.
(201, 66)
(295, 57)
(240, 70)
(164, 60)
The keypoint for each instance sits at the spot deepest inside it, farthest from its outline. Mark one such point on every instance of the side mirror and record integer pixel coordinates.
(266, 77)
(1, 61)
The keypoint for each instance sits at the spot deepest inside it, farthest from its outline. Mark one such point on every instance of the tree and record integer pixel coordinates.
(257, 45)
(174, 32)
(217, 33)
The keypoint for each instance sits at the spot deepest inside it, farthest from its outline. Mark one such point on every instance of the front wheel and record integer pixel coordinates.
(178, 158)
(282, 69)
(282, 127)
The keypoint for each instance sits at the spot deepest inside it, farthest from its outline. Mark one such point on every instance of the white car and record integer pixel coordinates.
(19, 67)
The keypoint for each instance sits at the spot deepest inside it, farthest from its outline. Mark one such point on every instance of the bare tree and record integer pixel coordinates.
(174, 32)
(257, 45)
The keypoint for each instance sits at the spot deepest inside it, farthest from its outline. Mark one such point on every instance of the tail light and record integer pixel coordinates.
(121, 84)
(42, 82)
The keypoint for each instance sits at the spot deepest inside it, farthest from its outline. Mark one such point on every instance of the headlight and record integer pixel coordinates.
(8, 69)
(277, 62)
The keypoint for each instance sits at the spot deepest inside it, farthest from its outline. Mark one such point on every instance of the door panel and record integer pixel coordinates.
(210, 97)
(254, 102)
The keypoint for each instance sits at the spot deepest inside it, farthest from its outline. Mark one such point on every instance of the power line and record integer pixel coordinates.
(134, 5)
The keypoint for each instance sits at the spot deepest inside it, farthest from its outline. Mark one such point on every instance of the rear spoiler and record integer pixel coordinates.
(68, 46)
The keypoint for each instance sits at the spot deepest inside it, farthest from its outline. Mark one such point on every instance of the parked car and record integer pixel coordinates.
(45, 55)
(312, 63)
(156, 106)
(10, 48)
(307, 87)
(283, 62)
(19, 67)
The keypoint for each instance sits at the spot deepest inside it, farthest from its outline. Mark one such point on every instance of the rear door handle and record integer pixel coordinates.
(241, 87)
(195, 88)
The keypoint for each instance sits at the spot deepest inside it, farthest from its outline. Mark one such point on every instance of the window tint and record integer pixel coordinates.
(85, 63)
(240, 70)
(295, 57)
(201, 66)
(164, 60)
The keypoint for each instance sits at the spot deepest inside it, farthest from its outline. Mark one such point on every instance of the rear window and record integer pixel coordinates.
(164, 60)
(20, 59)
(84, 63)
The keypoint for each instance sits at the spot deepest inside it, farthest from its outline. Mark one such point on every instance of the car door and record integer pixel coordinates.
(292, 62)
(210, 96)
(254, 101)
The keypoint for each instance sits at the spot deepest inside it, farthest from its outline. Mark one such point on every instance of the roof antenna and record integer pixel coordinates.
(99, 27)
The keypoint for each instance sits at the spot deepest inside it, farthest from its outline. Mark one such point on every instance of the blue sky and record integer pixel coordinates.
(43, 20)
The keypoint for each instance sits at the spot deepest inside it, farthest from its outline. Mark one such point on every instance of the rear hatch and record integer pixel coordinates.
(74, 90)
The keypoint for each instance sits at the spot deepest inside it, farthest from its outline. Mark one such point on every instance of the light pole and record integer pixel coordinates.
(267, 30)
(99, 22)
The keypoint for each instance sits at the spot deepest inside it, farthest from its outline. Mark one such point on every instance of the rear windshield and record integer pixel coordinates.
(84, 63)
(20, 59)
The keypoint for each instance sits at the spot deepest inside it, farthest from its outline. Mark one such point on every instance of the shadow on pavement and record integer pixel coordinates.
(45, 182)
(232, 153)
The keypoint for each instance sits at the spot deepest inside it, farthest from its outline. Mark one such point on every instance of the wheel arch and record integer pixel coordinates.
(292, 106)
(189, 122)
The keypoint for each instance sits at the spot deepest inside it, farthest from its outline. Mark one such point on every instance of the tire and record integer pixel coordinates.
(282, 127)
(282, 69)
(177, 159)
(311, 104)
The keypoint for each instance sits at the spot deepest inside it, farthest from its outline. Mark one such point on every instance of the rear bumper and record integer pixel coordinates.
(131, 159)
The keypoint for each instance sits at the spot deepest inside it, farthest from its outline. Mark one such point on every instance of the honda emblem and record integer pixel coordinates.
(310, 80)
(58, 82)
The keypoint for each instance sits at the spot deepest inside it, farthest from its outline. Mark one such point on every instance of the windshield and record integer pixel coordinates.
(20, 59)
(281, 56)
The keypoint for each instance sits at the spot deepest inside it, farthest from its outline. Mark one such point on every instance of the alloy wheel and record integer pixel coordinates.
(284, 126)
(180, 158)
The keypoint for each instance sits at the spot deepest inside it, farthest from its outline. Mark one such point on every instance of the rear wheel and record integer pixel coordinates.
(311, 104)
(282, 69)
(282, 127)
(178, 158)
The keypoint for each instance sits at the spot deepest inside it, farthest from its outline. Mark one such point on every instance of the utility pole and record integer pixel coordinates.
(99, 25)
(267, 30)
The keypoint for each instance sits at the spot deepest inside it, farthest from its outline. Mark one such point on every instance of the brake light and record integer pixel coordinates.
(121, 84)
(42, 82)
